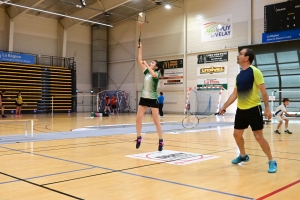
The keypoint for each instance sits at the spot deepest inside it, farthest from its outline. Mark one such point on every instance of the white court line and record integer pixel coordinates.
(199, 130)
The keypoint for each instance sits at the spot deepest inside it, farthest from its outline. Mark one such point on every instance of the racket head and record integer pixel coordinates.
(190, 121)
(141, 18)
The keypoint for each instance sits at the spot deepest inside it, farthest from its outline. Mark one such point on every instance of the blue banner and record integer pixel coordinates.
(281, 36)
(16, 57)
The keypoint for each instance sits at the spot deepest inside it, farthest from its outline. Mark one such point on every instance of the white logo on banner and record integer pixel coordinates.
(216, 28)
(173, 157)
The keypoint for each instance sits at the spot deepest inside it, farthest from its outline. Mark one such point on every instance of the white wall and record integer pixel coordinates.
(162, 38)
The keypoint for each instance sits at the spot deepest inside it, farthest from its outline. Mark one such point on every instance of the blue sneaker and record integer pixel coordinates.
(272, 166)
(239, 159)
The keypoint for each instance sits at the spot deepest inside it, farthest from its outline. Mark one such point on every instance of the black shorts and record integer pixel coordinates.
(17, 104)
(252, 116)
(107, 104)
(152, 103)
(113, 106)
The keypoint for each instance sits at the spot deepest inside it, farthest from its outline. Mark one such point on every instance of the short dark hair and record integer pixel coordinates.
(285, 99)
(250, 53)
(161, 93)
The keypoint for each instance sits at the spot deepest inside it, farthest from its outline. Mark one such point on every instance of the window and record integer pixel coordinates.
(267, 58)
(287, 56)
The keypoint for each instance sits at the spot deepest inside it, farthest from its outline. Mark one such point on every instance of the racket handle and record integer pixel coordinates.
(219, 113)
(139, 42)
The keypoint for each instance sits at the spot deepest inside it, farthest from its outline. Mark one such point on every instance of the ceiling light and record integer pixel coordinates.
(106, 14)
(199, 17)
(168, 6)
(53, 13)
(83, 3)
(78, 6)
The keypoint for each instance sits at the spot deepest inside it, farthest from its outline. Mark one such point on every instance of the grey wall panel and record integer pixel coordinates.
(4, 27)
(99, 66)
(163, 45)
(82, 53)
(257, 31)
(99, 33)
(99, 45)
(122, 51)
(35, 44)
(3, 42)
(99, 56)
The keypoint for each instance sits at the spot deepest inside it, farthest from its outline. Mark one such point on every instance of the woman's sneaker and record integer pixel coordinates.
(138, 142)
(287, 131)
(239, 159)
(160, 145)
(277, 132)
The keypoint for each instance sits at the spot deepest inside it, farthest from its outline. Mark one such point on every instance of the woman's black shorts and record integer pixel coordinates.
(152, 103)
(17, 104)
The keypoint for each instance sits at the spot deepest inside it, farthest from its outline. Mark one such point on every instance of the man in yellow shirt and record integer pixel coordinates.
(249, 83)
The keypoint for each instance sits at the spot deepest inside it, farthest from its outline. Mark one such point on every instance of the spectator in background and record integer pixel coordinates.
(161, 100)
(107, 103)
(114, 104)
(1, 103)
(19, 102)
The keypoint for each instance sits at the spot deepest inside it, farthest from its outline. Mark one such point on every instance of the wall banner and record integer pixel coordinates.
(16, 57)
(281, 36)
(216, 28)
(212, 83)
(212, 57)
(171, 73)
(212, 70)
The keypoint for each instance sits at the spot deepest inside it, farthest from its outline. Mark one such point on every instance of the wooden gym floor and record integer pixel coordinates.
(98, 167)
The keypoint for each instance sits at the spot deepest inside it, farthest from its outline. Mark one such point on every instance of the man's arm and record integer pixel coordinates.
(230, 100)
(265, 98)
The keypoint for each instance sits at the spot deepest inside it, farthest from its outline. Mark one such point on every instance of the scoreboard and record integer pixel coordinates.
(282, 16)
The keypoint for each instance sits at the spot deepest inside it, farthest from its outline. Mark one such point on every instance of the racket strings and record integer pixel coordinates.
(190, 121)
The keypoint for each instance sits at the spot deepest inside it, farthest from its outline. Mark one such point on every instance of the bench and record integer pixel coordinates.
(26, 121)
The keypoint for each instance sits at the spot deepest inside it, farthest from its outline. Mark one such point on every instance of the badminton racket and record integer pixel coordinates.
(141, 19)
(191, 121)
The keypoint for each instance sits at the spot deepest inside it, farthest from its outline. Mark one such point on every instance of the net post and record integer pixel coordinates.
(187, 99)
(97, 102)
(219, 101)
(52, 103)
